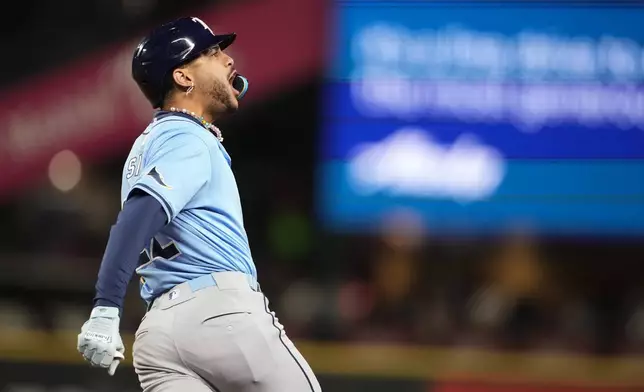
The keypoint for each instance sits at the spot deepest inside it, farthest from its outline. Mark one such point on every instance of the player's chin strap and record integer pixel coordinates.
(240, 83)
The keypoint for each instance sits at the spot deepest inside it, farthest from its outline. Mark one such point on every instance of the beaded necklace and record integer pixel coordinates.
(209, 126)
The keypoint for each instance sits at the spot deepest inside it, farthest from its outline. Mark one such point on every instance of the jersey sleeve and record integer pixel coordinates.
(174, 170)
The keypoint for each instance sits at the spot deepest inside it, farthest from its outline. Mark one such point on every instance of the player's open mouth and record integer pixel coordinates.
(231, 79)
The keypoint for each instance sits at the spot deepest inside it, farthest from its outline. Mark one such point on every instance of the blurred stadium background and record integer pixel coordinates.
(439, 196)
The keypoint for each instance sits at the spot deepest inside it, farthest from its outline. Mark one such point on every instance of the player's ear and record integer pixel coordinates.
(182, 78)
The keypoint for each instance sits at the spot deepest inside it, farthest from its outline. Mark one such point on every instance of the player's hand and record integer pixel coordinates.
(99, 341)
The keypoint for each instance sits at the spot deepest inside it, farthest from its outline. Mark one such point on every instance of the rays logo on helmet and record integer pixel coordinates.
(205, 26)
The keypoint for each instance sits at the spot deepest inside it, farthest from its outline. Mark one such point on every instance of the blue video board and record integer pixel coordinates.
(476, 117)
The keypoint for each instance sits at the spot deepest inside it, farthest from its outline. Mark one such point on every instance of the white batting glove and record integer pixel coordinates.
(99, 341)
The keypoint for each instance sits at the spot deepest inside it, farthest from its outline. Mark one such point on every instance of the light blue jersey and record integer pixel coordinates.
(185, 167)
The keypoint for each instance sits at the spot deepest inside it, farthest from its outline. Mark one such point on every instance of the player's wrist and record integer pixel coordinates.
(108, 304)
(105, 311)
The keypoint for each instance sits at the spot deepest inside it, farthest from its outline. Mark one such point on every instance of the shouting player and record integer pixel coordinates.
(208, 326)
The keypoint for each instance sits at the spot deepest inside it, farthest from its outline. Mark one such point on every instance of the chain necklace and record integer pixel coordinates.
(209, 126)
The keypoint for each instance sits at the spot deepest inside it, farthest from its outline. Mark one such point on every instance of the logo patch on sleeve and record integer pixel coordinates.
(154, 173)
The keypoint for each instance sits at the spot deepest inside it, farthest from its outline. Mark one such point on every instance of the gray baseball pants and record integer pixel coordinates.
(217, 334)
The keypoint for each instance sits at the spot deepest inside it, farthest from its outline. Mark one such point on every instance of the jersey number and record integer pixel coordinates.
(156, 250)
(134, 166)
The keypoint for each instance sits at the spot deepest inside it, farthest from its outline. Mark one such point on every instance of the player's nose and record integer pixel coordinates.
(228, 60)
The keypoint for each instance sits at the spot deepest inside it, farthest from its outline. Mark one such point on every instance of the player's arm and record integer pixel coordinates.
(140, 219)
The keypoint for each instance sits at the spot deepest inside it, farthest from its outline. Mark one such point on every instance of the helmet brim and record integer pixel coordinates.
(224, 40)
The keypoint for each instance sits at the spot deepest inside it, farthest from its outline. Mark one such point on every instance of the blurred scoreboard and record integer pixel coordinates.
(479, 117)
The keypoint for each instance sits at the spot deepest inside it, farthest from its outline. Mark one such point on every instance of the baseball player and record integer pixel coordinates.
(208, 326)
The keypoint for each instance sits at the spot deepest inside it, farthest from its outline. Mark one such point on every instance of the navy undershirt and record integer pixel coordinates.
(140, 219)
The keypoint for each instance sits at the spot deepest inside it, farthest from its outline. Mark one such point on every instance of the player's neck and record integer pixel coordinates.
(190, 107)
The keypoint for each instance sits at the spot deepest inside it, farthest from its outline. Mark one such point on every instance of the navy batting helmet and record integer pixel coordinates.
(167, 47)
